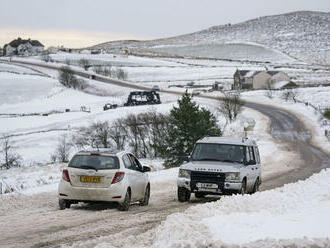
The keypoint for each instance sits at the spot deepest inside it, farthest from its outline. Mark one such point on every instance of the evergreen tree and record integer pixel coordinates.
(188, 123)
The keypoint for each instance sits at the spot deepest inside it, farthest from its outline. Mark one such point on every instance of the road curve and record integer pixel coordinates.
(288, 129)
(285, 127)
(39, 223)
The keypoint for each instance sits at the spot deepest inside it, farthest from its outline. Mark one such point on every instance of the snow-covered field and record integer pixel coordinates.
(286, 214)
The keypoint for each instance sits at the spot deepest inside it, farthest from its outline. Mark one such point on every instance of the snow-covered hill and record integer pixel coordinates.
(304, 35)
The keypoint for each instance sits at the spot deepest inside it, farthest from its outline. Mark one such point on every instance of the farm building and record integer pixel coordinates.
(245, 79)
(23, 47)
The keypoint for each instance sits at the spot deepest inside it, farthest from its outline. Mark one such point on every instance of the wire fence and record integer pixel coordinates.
(324, 122)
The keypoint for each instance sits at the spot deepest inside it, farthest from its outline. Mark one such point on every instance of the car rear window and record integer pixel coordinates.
(94, 162)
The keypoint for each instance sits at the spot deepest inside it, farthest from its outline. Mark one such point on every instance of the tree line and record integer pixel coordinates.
(148, 135)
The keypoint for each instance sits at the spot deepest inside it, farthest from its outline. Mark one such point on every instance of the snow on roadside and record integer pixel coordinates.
(285, 213)
(30, 180)
(318, 96)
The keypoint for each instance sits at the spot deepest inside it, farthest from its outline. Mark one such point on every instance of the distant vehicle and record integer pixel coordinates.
(220, 166)
(142, 98)
(155, 88)
(109, 106)
(104, 176)
(92, 77)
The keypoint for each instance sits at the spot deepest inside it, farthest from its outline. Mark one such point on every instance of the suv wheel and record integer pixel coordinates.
(255, 187)
(146, 198)
(243, 189)
(199, 195)
(124, 206)
(183, 194)
(63, 204)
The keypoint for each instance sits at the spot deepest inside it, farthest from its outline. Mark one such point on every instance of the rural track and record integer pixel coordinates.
(39, 224)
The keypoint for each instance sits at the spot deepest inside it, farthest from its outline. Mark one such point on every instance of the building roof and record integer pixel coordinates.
(242, 73)
(272, 73)
(19, 41)
(228, 140)
(251, 73)
(283, 84)
(248, 73)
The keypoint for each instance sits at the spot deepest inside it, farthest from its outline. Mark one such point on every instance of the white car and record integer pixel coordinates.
(104, 176)
(220, 166)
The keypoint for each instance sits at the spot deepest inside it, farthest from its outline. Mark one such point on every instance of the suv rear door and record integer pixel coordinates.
(248, 169)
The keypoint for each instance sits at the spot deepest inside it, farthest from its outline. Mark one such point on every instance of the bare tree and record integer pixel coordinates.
(97, 135)
(83, 138)
(270, 90)
(103, 70)
(290, 95)
(63, 149)
(143, 133)
(69, 80)
(101, 134)
(9, 157)
(46, 58)
(157, 126)
(230, 106)
(67, 61)
(84, 63)
(131, 122)
(118, 134)
(121, 74)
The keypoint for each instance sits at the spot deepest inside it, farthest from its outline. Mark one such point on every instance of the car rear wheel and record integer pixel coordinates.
(124, 206)
(63, 204)
(146, 198)
(183, 194)
(199, 195)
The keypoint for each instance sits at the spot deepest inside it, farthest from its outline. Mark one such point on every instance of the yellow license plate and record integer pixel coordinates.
(87, 179)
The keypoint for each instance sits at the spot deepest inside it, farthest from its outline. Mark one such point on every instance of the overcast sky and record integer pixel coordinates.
(83, 22)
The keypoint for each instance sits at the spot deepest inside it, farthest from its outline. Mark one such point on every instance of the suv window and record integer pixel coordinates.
(250, 155)
(256, 151)
(94, 162)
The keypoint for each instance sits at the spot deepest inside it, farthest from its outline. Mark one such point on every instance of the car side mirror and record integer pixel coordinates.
(146, 169)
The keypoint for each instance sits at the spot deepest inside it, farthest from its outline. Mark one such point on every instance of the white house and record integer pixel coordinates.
(23, 47)
(245, 79)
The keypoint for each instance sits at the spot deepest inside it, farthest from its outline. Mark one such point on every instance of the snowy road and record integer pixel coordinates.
(289, 130)
(35, 221)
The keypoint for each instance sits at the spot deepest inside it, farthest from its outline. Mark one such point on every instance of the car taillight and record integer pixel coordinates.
(65, 175)
(118, 177)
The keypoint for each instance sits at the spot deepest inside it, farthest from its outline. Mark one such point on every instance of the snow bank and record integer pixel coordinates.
(296, 211)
